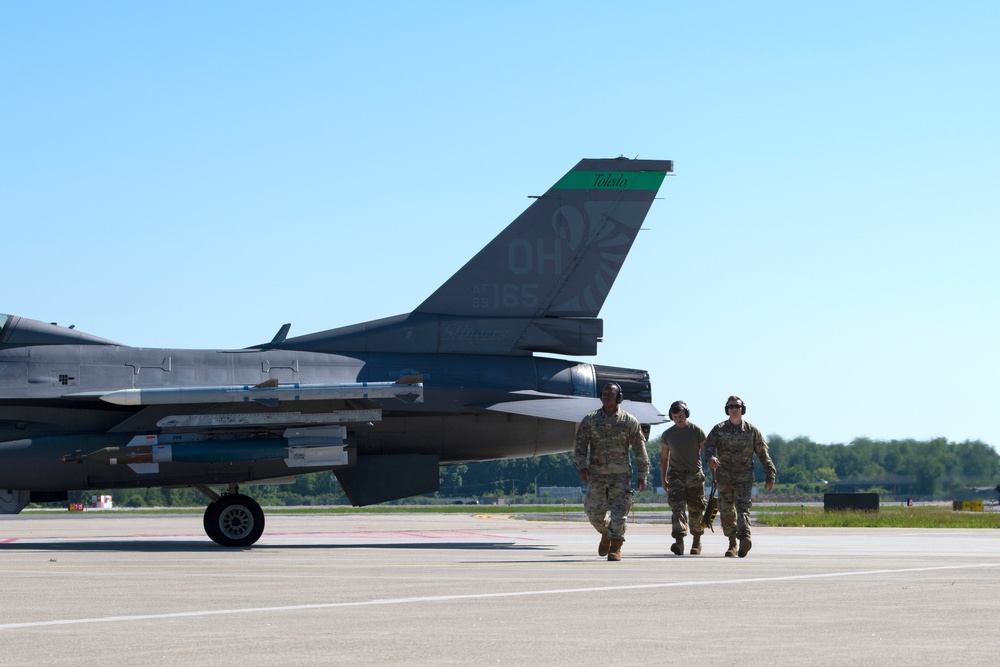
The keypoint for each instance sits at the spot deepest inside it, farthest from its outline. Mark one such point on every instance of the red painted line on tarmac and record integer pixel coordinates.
(455, 534)
(491, 535)
(9, 540)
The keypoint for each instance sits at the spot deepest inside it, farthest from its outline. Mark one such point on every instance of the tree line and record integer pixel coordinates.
(932, 469)
(925, 470)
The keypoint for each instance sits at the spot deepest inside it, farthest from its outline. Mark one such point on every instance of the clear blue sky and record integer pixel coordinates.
(192, 174)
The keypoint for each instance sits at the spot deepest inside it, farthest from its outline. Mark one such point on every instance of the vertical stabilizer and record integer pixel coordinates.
(560, 257)
(537, 287)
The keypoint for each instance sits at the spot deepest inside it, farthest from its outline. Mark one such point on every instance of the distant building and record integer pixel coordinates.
(567, 492)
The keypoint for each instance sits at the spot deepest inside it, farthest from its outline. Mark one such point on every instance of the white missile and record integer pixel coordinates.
(269, 419)
(269, 392)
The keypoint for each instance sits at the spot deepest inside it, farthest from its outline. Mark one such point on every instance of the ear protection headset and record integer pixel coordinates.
(618, 392)
(743, 405)
(680, 405)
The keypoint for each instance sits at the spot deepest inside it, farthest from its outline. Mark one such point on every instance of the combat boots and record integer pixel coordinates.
(616, 550)
(678, 546)
(731, 551)
(745, 545)
(696, 545)
(602, 548)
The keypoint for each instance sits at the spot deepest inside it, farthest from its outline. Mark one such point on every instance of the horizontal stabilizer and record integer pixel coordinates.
(575, 408)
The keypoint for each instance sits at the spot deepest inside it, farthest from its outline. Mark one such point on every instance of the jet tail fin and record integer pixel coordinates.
(538, 286)
(560, 257)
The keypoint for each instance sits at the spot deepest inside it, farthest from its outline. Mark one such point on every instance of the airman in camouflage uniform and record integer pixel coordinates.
(683, 478)
(729, 450)
(602, 457)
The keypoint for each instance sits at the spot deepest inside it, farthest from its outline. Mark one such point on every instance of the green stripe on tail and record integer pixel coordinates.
(611, 180)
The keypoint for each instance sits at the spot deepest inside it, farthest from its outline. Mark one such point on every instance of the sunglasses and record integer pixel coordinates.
(733, 405)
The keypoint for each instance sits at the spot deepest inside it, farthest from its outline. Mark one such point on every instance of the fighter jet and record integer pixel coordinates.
(382, 404)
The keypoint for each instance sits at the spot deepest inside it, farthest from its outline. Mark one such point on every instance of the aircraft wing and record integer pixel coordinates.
(575, 408)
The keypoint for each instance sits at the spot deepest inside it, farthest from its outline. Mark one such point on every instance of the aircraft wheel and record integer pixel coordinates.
(234, 521)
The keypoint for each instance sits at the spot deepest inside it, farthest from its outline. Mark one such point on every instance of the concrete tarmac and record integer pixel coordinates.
(406, 589)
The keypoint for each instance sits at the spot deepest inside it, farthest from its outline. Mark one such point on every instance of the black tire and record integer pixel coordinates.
(234, 521)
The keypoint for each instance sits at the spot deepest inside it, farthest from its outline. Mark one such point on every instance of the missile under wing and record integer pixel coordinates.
(382, 404)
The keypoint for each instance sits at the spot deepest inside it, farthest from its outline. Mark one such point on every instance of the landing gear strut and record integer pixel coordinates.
(233, 519)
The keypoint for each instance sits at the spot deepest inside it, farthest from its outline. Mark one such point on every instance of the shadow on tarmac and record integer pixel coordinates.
(162, 546)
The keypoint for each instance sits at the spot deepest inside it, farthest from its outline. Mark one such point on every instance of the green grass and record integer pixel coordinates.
(886, 517)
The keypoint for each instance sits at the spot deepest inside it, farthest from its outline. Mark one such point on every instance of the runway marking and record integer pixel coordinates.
(474, 596)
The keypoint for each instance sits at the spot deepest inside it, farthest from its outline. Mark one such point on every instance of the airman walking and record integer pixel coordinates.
(601, 455)
(683, 478)
(729, 450)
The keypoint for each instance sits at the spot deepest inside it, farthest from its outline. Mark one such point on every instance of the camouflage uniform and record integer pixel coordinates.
(685, 479)
(735, 445)
(602, 444)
